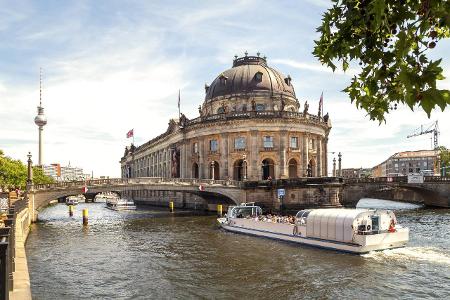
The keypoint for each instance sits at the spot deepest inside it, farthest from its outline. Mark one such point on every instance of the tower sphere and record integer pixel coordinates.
(40, 119)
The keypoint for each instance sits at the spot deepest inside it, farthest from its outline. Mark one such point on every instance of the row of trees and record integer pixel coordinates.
(13, 173)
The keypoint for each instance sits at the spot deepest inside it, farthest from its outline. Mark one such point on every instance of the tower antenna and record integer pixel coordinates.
(40, 86)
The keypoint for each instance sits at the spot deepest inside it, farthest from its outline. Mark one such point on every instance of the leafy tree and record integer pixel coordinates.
(444, 155)
(391, 40)
(13, 173)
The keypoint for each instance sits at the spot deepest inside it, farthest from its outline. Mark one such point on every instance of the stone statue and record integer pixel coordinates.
(309, 171)
(253, 105)
(175, 163)
(283, 104)
(305, 110)
(200, 110)
(183, 120)
(244, 107)
(326, 117)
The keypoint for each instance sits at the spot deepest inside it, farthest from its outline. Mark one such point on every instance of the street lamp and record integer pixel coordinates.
(212, 170)
(244, 166)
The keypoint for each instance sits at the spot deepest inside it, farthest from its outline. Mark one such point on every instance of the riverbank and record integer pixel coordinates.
(21, 277)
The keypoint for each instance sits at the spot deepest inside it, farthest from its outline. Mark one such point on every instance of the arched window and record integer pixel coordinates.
(293, 173)
(258, 76)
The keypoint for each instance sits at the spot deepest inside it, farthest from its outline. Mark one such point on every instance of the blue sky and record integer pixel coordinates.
(110, 66)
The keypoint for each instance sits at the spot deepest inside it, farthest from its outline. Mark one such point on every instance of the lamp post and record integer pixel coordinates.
(340, 164)
(334, 166)
(30, 172)
(212, 170)
(244, 166)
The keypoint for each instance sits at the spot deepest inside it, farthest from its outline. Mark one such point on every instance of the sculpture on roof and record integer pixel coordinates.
(305, 110)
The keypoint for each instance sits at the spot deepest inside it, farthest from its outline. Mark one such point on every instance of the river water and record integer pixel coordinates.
(150, 254)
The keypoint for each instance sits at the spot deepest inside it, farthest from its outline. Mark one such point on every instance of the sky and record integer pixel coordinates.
(111, 66)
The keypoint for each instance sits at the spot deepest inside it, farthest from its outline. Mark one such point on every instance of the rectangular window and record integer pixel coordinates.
(195, 148)
(268, 141)
(239, 143)
(294, 142)
(213, 145)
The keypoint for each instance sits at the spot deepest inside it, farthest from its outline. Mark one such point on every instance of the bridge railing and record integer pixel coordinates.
(401, 179)
(377, 179)
(138, 180)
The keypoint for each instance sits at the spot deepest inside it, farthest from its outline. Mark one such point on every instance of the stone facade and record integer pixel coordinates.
(250, 128)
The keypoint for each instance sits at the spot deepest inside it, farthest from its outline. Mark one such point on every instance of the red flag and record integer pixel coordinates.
(85, 189)
(130, 133)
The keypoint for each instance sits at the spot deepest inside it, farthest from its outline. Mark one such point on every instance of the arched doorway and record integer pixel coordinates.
(293, 168)
(214, 170)
(239, 170)
(195, 170)
(268, 169)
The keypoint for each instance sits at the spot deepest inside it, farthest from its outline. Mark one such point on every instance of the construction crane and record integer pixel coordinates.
(433, 128)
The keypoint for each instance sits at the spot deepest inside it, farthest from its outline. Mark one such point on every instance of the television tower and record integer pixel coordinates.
(40, 120)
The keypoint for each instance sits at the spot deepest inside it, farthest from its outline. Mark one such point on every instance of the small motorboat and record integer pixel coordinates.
(350, 230)
(73, 200)
(120, 204)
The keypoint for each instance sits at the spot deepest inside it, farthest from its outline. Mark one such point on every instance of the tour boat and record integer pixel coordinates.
(350, 230)
(120, 204)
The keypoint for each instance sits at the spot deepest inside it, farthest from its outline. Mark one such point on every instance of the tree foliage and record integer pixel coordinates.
(444, 156)
(391, 40)
(13, 173)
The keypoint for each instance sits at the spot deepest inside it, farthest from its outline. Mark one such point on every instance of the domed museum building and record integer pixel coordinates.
(251, 126)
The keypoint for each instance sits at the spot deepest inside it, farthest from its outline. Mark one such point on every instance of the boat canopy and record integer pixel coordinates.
(342, 224)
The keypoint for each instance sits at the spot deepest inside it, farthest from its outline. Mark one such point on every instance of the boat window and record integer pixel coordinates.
(246, 211)
(302, 216)
(375, 223)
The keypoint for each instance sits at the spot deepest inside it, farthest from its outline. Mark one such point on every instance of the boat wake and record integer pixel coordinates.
(421, 254)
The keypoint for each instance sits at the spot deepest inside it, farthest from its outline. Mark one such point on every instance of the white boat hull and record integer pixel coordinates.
(382, 241)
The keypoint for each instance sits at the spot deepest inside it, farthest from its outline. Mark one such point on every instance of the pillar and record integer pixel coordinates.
(319, 158)
(254, 166)
(201, 159)
(325, 156)
(283, 147)
(305, 155)
(334, 166)
(340, 164)
(223, 156)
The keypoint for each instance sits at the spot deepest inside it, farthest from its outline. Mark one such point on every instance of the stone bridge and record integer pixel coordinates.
(433, 192)
(300, 192)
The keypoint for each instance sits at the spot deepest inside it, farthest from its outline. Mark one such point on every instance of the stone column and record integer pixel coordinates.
(223, 156)
(254, 163)
(325, 156)
(283, 147)
(319, 157)
(340, 164)
(188, 161)
(183, 159)
(201, 159)
(334, 167)
(305, 155)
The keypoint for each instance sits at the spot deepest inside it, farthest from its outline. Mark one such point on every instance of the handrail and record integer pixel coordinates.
(264, 114)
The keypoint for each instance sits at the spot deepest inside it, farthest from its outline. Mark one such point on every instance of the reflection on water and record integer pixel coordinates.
(151, 254)
(385, 204)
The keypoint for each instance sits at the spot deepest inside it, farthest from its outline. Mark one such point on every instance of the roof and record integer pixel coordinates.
(243, 77)
(338, 212)
(418, 153)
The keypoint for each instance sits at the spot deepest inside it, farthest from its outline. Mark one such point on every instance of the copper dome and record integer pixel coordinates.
(250, 74)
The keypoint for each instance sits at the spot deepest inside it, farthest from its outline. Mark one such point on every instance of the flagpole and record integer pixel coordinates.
(179, 110)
